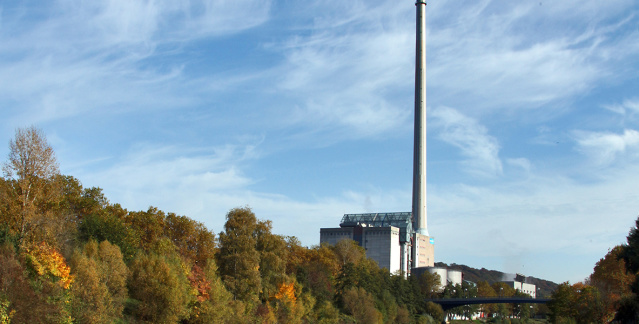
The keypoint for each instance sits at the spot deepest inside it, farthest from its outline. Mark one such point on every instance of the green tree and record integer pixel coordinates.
(503, 290)
(429, 284)
(192, 239)
(590, 306)
(5, 314)
(630, 252)
(238, 259)
(484, 289)
(315, 269)
(562, 303)
(109, 225)
(273, 253)
(629, 308)
(435, 311)
(100, 283)
(160, 289)
(326, 313)
(361, 305)
(91, 297)
(148, 227)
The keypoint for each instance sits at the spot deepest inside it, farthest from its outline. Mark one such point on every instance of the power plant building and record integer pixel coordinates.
(388, 238)
(399, 241)
(520, 284)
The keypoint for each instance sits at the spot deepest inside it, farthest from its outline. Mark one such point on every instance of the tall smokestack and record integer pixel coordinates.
(419, 150)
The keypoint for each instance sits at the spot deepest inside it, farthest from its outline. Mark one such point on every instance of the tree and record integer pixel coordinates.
(503, 290)
(31, 165)
(429, 285)
(91, 297)
(214, 303)
(193, 240)
(238, 259)
(316, 269)
(160, 288)
(612, 280)
(361, 305)
(629, 308)
(485, 290)
(100, 283)
(273, 254)
(348, 251)
(578, 302)
(148, 226)
(51, 278)
(630, 252)
(109, 225)
(435, 311)
(27, 302)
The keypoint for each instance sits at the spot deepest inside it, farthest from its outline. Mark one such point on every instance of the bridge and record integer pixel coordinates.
(449, 303)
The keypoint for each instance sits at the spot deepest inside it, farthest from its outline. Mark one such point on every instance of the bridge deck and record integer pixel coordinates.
(448, 303)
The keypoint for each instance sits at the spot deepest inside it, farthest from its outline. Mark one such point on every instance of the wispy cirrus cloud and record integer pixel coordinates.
(605, 147)
(170, 177)
(348, 81)
(69, 58)
(490, 55)
(481, 151)
(626, 107)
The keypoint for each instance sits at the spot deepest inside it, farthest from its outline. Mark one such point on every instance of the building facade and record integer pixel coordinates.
(388, 239)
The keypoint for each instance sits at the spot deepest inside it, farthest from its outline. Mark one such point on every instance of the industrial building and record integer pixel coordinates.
(388, 238)
(520, 284)
(455, 277)
(399, 241)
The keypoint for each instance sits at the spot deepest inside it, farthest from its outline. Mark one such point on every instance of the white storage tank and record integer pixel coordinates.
(443, 275)
(455, 277)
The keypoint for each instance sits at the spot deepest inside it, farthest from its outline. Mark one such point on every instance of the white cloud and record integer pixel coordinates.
(521, 163)
(205, 183)
(155, 175)
(605, 147)
(346, 80)
(546, 217)
(81, 57)
(626, 107)
(506, 56)
(480, 149)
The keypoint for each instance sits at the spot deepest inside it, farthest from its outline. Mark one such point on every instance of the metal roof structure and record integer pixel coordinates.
(401, 220)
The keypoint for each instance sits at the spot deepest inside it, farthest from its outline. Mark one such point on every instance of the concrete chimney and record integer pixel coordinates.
(419, 150)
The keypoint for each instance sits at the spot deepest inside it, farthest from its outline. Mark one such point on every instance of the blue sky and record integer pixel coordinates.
(302, 110)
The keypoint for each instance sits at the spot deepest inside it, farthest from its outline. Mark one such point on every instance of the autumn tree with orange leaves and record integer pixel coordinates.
(612, 280)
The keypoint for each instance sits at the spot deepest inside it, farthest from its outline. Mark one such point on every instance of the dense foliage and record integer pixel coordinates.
(610, 294)
(68, 255)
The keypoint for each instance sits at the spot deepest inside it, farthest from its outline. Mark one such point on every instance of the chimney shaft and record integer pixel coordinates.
(419, 150)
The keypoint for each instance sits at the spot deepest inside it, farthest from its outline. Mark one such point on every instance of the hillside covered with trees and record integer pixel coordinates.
(69, 255)
(493, 276)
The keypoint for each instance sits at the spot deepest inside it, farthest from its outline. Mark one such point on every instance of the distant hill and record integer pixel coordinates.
(492, 276)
